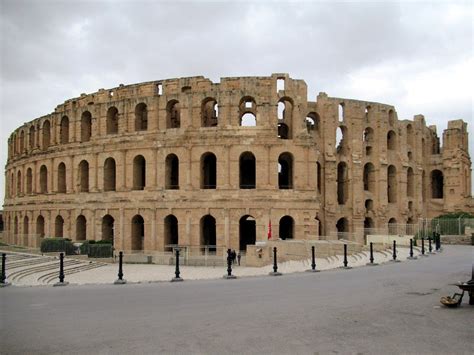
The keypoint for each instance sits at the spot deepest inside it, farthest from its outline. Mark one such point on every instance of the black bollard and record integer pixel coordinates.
(275, 266)
(371, 255)
(313, 260)
(411, 257)
(3, 275)
(345, 258)
(176, 272)
(61, 271)
(120, 280)
(423, 247)
(394, 253)
(430, 248)
(229, 275)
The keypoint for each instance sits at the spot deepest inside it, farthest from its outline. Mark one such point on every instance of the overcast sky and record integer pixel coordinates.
(415, 56)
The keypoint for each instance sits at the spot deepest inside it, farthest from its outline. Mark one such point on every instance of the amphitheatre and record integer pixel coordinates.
(191, 163)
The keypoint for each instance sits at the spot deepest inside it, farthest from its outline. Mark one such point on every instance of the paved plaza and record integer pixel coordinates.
(392, 308)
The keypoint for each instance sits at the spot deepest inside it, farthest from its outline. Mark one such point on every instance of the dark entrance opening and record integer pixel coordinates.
(171, 232)
(247, 232)
(108, 228)
(286, 228)
(208, 232)
(138, 232)
(247, 171)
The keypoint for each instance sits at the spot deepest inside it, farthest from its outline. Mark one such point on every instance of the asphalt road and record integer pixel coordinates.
(389, 309)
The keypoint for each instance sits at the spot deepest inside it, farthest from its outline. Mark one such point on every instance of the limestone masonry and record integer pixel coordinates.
(194, 163)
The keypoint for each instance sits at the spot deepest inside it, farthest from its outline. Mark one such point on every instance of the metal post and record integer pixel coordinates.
(394, 254)
(430, 248)
(3, 275)
(176, 272)
(345, 258)
(371, 255)
(229, 266)
(423, 247)
(275, 266)
(411, 257)
(61, 271)
(313, 260)
(120, 280)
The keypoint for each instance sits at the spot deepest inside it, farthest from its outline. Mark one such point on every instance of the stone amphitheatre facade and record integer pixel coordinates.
(194, 163)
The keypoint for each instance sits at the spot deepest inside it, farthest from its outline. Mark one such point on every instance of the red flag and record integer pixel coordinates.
(269, 229)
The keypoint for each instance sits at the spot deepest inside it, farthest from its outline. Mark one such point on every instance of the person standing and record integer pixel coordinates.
(238, 258)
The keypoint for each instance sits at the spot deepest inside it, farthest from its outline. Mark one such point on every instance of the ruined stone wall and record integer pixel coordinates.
(180, 161)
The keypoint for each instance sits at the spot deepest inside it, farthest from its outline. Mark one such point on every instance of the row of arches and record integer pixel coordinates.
(138, 225)
(208, 174)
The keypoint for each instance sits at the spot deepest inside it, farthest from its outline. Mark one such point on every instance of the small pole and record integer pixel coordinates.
(120, 280)
(411, 257)
(3, 275)
(61, 271)
(176, 272)
(394, 254)
(371, 255)
(345, 258)
(423, 246)
(229, 266)
(275, 266)
(313, 260)
(430, 248)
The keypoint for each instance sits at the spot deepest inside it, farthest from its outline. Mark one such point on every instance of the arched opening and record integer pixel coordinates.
(320, 227)
(61, 178)
(40, 226)
(138, 232)
(64, 131)
(369, 205)
(437, 182)
(112, 123)
(368, 139)
(22, 142)
(141, 117)
(340, 112)
(139, 173)
(108, 228)
(31, 137)
(208, 232)
(46, 134)
(247, 232)
(342, 227)
(248, 112)
(29, 181)
(19, 190)
(410, 135)
(171, 232)
(391, 140)
(12, 185)
(26, 229)
(410, 183)
(109, 175)
(247, 170)
(172, 172)
(248, 120)
(369, 177)
(84, 176)
(59, 227)
(391, 117)
(392, 226)
(283, 131)
(285, 118)
(209, 112)
(208, 171)
(392, 184)
(342, 183)
(341, 139)
(368, 226)
(81, 228)
(318, 176)
(368, 111)
(313, 122)
(86, 126)
(285, 171)
(43, 179)
(173, 114)
(286, 228)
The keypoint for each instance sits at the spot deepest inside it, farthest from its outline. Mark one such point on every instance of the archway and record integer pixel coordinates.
(247, 170)
(108, 228)
(109, 175)
(208, 171)
(139, 173)
(171, 232)
(40, 226)
(138, 232)
(208, 232)
(286, 228)
(172, 172)
(247, 232)
(81, 228)
(342, 227)
(285, 171)
(437, 182)
(59, 227)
